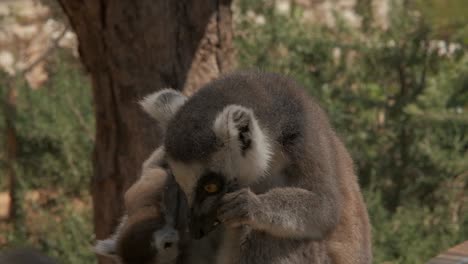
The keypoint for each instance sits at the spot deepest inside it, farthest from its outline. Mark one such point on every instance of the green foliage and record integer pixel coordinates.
(413, 233)
(448, 17)
(54, 125)
(399, 100)
(54, 128)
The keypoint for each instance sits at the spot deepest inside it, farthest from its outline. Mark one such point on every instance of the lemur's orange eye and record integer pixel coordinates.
(211, 188)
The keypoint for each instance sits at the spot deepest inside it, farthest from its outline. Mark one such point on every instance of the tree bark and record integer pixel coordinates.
(132, 48)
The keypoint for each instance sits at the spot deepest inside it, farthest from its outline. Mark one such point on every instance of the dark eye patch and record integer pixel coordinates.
(204, 209)
(210, 178)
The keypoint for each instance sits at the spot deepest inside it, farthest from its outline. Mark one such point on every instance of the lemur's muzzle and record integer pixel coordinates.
(203, 222)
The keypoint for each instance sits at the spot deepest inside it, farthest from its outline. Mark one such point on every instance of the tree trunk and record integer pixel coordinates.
(132, 48)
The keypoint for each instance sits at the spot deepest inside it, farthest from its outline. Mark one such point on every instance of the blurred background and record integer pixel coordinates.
(392, 74)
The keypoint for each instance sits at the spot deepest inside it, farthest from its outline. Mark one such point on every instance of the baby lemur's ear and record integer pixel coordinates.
(239, 131)
(163, 104)
(106, 247)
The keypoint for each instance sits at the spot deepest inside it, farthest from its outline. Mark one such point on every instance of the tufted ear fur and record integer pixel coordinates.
(163, 104)
(236, 124)
(237, 127)
(106, 247)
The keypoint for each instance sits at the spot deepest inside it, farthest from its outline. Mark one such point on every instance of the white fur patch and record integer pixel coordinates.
(166, 242)
(105, 247)
(254, 163)
(187, 176)
(165, 235)
(163, 104)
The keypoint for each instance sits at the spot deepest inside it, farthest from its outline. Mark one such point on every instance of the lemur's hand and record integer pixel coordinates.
(239, 208)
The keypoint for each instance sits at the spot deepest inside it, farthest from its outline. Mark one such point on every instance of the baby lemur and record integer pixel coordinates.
(294, 194)
(153, 229)
(146, 233)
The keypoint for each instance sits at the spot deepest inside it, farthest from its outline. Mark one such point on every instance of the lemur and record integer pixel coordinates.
(252, 151)
(153, 229)
(146, 234)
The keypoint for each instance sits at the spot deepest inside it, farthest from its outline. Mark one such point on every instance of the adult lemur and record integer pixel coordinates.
(253, 151)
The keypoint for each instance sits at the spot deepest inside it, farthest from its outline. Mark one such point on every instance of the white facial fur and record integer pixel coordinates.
(162, 105)
(187, 176)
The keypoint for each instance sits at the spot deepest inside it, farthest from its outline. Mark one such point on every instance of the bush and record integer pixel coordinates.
(53, 167)
(398, 98)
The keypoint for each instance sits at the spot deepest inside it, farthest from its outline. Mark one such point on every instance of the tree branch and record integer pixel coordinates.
(50, 49)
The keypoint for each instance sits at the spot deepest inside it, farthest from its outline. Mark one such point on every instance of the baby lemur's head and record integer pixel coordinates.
(144, 234)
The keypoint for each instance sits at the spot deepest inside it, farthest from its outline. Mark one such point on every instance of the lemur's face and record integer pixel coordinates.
(204, 188)
(240, 157)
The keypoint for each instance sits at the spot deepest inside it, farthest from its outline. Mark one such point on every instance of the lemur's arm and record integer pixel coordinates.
(284, 212)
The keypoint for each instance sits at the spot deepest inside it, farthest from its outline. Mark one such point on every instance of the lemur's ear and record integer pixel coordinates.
(106, 247)
(163, 104)
(237, 123)
(239, 133)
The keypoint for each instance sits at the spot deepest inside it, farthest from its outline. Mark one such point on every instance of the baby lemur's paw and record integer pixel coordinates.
(239, 208)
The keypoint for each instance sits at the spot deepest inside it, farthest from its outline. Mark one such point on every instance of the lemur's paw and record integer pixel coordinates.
(239, 208)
